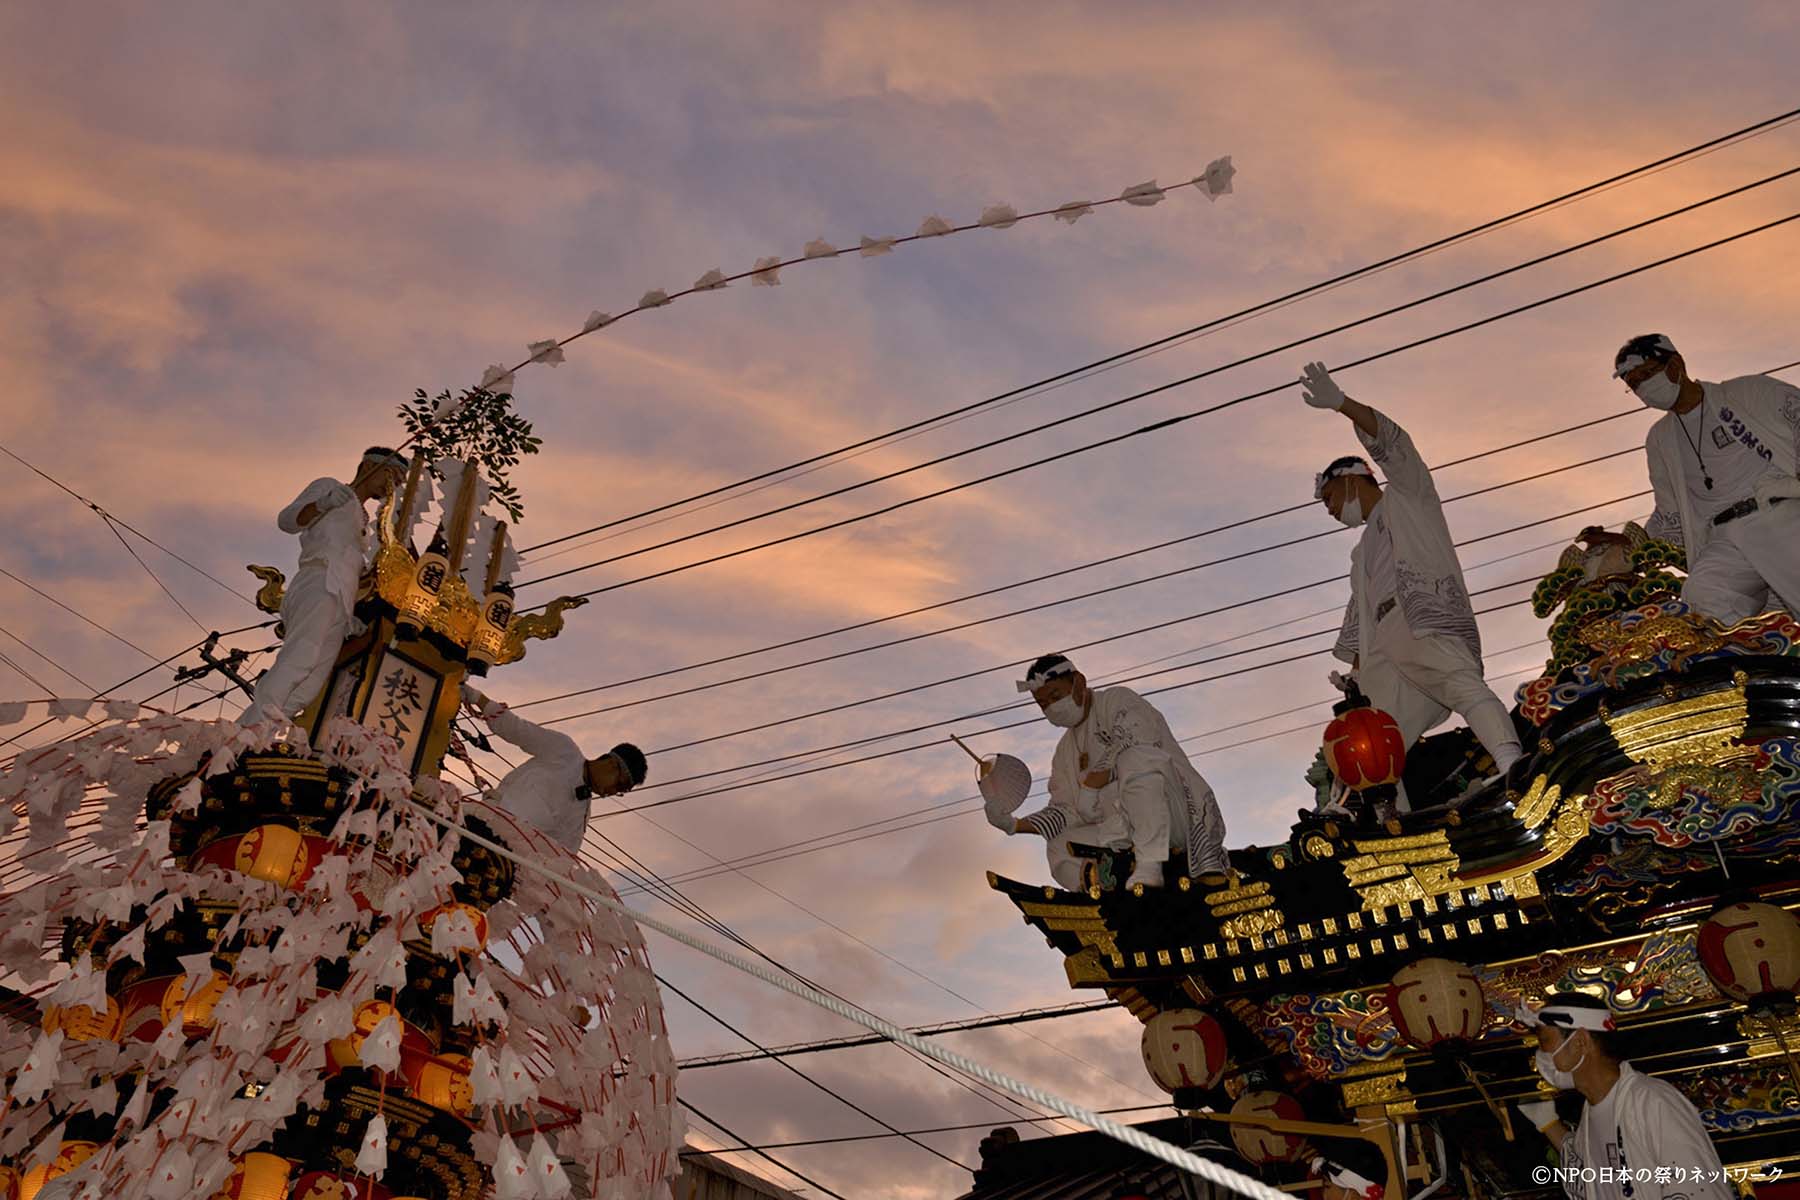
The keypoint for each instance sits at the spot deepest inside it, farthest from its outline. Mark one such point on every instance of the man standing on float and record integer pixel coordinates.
(316, 607)
(1409, 632)
(1723, 465)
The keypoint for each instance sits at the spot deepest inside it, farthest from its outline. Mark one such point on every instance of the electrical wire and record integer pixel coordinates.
(1134, 632)
(744, 1145)
(127, 526)
(1230, 525)
(1711, 145)
(936, 744)
(1170, 422)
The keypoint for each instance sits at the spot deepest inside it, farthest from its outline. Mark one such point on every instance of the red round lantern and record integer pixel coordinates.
(1751, 952)
(1264, 1146)
(1185, 1048)
(1363, 746)
(1436, 1002)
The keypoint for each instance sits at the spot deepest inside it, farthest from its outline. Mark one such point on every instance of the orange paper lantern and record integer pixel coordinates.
(1751, 952)
(1436, 1002)
(1185, 1048)
(194, 1012)
(477, 918)
(275, 853)
(68, 1156)
(1363, 746)
(1263, 1146)
(258, 1176)
(79, 1023)
(443, 1082)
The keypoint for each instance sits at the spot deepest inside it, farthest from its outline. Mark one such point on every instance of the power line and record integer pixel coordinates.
(744, 1145)
(935, 744)
(835, 1095)
(675, 898)
(175, 600)
(870, 1137)
(990, 1021)
(1120, 636)
(109, 517)
(117, 637)
(1708, 146)
(769, 855)
(1170, 422)
(841, 931)
(751, 860)
(33, 649)
(160, 663)
(1236, 524)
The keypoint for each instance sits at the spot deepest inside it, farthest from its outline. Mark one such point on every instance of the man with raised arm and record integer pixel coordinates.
(1118, 778)
(317, 604)
(551, 789)
(1725, 468)
(1409, 632)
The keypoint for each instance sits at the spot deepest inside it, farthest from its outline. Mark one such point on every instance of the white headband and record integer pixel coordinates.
(1038, 679)
(1568, 1016)
(1324, 477)
(1344, 1177)
(389, 459)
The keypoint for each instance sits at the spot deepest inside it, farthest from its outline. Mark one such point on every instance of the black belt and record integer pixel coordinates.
(1743, 508)
(1383, 609)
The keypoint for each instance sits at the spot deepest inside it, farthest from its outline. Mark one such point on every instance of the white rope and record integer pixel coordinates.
(1175, 1156)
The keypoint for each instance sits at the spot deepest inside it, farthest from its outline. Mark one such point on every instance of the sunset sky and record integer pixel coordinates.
(234, 238)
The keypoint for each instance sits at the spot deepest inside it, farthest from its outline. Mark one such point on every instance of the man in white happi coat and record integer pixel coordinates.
(316, 607)
(1725, 468)
(551, 789)
(1409, 632)
(1631, 1124)
(1118, 778)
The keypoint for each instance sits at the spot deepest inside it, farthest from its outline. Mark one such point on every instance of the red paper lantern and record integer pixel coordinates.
(1264, 1146)
(1363, 746)
(1436, 1002)
(1751, 952)
(1185, 1048)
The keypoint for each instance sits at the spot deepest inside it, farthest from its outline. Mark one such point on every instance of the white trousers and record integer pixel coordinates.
(1420, 681)
(314, 622)
(1748, 566)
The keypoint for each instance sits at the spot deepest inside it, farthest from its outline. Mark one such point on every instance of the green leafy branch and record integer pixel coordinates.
(483, 427)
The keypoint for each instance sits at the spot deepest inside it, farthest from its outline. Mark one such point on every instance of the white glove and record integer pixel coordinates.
(1000, 817)
(1317, 388)
(1343, 681)
(488, 709)
(337, 497)
(1541, 1113)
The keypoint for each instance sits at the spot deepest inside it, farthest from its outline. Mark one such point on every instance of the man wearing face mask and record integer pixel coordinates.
(1631, 1121)
(1120, 777)
(1723, 465)
(1408, 630)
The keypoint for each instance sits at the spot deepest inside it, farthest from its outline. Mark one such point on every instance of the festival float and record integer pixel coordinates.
(1362, 979)
(260, 963)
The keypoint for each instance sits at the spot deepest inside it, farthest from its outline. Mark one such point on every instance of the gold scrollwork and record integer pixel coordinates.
(269, 595)
(546, 624)
(1253, 924)
(1700, 729)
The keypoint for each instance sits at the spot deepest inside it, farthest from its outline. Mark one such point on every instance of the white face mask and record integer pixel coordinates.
(1659, 391)
(1064, 713)
(1351, 515)
(1555, 1077)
